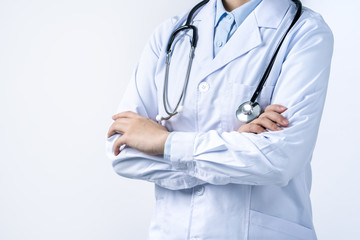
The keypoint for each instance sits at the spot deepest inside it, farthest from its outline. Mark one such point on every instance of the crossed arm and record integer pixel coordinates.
(149, 137)
(144, 139)
(277, 151)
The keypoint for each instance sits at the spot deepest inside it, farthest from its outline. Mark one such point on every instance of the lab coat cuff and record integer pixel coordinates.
(167, 147)
(181, 149)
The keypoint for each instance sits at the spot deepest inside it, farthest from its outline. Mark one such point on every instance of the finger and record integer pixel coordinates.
(275, 108)
(117, 144)
(254, 128)
(275, 117)
(251, 128)
(119, 126)
(126, 114)
(267, 124)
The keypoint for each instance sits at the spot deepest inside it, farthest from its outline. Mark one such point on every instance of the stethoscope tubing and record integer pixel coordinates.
(194, 40)
(165, 96)
(272, 61)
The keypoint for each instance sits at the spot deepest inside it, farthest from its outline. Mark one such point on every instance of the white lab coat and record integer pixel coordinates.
(214, 182)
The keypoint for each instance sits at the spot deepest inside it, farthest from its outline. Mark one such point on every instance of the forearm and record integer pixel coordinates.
(131, 163)
(141, 97)
(273, 157)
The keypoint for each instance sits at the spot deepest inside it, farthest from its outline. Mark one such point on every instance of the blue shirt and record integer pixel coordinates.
(226, 22)
(214, 182)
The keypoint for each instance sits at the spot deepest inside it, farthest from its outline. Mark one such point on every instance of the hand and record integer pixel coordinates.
(138, 132)
(270, 119)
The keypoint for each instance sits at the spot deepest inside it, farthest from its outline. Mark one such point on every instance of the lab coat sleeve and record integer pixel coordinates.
(271, 158)
(140, 97)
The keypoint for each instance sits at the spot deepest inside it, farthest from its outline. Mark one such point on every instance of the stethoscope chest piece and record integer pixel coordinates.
(248, 111)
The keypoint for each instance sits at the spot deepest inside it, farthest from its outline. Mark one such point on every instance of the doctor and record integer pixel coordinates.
(216, 178)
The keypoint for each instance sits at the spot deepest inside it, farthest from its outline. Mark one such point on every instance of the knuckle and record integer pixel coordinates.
(272, 114)
(255, 121)
(267, 113)
(115, 126)
(278, 117)
(264, 114)
(135, 122)
(121, 140)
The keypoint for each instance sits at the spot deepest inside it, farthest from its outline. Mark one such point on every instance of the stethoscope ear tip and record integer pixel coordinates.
(158, 118)
(180, 109)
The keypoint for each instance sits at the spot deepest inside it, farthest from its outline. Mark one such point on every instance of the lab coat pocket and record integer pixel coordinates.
(263, 226)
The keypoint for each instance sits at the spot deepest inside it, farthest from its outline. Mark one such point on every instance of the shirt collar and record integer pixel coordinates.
(239, 13)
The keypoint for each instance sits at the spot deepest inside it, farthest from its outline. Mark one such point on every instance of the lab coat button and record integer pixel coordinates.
(204, 87)
(199, 190)
(219, 43)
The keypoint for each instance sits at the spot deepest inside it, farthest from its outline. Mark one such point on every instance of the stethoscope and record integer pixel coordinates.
(248, 110)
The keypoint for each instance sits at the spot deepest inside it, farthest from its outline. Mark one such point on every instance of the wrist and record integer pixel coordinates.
(163, 141)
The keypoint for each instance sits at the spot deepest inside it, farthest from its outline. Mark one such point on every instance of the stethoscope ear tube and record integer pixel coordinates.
(193, 10)
(178, 108)
(247, 111)
(186, 27)
(180, 29)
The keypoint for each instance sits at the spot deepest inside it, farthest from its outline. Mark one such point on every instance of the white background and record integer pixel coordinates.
(63, 68)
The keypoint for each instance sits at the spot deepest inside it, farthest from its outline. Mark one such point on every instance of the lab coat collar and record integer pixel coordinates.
(269, 13)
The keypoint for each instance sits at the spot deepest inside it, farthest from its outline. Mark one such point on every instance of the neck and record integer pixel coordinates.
(230, 5)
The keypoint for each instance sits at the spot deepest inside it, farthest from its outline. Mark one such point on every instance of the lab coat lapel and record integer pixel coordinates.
(247, 37)
(270, 13)
(204, 21)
